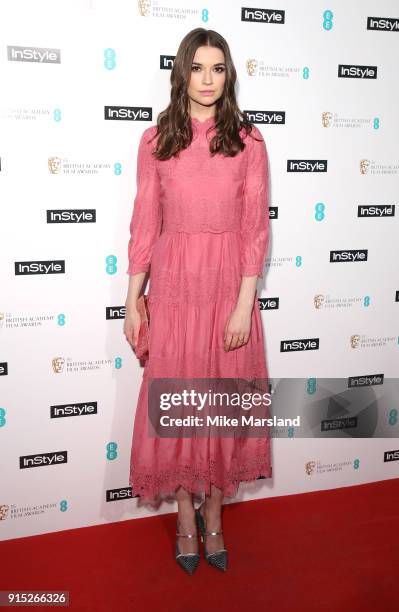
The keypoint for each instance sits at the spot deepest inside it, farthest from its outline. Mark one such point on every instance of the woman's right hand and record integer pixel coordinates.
(131, 325)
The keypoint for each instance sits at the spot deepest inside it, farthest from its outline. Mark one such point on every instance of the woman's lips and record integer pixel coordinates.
(207, 93)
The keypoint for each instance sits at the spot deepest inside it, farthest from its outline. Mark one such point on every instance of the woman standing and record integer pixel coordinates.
(200, 224)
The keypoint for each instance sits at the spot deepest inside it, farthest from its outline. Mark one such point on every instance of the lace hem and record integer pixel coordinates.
(152, 488)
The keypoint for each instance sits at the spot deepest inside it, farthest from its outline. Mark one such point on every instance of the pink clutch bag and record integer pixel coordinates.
(142, 345)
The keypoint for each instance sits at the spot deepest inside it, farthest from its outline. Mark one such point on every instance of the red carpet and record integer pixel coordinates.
(330, 550)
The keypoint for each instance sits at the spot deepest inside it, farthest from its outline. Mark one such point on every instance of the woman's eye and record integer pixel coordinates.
(218, 68)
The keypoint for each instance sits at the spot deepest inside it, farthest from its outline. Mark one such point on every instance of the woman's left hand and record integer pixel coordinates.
(237, 328)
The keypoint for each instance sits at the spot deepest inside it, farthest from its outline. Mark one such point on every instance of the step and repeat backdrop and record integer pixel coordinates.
(80, 82)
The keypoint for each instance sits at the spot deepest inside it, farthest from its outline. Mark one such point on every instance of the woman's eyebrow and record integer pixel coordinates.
(218, 64)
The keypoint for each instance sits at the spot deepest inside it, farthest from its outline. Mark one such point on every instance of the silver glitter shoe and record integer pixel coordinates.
(188, 561)
(218, 558)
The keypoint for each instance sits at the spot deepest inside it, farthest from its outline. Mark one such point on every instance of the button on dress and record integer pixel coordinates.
(199, 223)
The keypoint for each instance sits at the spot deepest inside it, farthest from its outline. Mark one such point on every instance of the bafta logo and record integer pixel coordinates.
(3, 511)
(144, 7)
(326, 119)
(318, 300)
(1, 319)
(54, 165)
(355, 340)
(364, 166)
(58, 364)
(310, 467)
(252, 65)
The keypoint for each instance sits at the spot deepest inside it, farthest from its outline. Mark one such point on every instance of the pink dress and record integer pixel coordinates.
(199, 223)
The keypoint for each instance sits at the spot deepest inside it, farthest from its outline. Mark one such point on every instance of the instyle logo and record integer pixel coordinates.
(119, 494)
(261, 15)
(71, 215)
(55, 266)
(350, 71)
(306, 165)
(392, 455)
(366, 380)
(69, 410)
(128, 113)
(265, 117)
(41, 459)
(269, 303)
(115, 312)
(3, 368)
(338, 423)
(303, 344)
(385, 24)
(348, 255)
(166, 62)
(376, 210)
(41, 55)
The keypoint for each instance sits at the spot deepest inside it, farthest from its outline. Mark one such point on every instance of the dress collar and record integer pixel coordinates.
(207, 122)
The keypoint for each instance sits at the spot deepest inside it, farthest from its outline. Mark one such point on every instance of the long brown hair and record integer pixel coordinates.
(173, 124)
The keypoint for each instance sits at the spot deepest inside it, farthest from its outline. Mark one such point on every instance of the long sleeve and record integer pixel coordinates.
(146, 220)
(255, 209)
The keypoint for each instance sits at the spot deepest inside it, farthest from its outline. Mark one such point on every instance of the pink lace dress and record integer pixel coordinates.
(199, 223)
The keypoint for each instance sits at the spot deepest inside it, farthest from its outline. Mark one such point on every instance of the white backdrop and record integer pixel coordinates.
(321, 84)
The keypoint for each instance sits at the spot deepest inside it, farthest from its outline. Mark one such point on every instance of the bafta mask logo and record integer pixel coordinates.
(326, 119)
(252, 65)
(355, 340)
(3, 511)
(318, 300)
(58, 364)
(310, 467)
(1, 319)
(144, 7)
(364, 166)
(54, 165)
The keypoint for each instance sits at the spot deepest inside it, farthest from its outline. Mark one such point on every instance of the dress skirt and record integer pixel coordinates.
(194, 284)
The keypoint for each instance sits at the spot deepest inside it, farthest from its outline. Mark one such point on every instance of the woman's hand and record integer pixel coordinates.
(237, 328)
(131, 325)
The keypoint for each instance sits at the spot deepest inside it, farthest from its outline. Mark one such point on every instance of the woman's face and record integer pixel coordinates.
(208, 75)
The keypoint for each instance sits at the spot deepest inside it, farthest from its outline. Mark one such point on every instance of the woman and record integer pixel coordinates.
(200, 224)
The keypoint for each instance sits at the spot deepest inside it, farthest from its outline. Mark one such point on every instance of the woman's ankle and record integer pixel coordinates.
(213, 516)
(186, 513)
